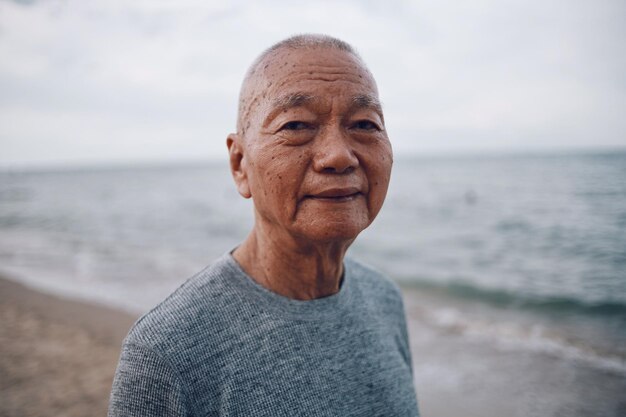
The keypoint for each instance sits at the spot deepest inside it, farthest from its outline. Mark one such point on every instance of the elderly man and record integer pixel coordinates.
(284, 325)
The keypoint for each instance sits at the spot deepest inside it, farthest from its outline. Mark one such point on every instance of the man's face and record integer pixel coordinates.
(315, 156)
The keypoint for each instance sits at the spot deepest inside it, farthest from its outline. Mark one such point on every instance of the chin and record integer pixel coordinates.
(331, 222)
(333, 233)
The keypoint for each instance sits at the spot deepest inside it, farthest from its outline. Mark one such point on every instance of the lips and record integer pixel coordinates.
(336, 194)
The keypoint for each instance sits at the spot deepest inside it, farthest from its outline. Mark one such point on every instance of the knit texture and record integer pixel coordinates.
(222, 345)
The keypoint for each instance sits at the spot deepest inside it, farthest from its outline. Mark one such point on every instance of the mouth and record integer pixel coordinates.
(338, 195)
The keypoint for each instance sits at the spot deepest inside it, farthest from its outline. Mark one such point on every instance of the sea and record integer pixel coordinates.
(526, 251)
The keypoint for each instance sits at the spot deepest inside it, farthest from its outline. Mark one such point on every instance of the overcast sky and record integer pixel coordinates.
(85, 82)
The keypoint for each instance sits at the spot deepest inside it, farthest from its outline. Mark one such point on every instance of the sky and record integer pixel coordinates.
(86, 82)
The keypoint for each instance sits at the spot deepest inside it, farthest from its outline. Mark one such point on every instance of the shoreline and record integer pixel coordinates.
(459, 371)
(105, 323)
(58, 357)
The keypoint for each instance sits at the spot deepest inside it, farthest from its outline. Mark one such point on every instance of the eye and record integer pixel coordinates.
(295, 125)
(367, 125)
(296, 132)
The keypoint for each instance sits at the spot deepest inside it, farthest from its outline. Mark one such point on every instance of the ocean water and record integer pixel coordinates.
(528, 250)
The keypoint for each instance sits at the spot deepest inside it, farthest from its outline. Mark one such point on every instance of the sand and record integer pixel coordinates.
(58, 357)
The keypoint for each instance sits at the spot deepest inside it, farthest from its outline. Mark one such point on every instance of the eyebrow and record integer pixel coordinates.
(292, 100)
(367, 101)
(298, 99)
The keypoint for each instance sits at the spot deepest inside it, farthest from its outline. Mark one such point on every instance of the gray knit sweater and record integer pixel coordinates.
(222, 345)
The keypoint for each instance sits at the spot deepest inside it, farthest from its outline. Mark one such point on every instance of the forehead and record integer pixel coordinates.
(317, 71)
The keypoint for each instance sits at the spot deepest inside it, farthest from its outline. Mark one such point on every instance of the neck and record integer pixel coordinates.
(286, 266)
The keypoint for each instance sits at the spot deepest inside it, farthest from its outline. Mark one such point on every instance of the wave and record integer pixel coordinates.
(515, 336)
(509, 321)
(507, 299)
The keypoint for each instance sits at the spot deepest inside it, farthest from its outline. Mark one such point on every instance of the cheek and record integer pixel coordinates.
(378, 186)
(283, 163)
(277, 175)
(378, 171)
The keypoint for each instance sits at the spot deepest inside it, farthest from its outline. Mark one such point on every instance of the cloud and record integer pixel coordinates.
(152, 80)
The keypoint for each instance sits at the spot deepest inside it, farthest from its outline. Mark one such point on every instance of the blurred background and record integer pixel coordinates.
(505, 222)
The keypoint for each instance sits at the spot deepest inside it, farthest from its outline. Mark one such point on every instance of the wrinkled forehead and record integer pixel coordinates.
(287, 72)
(286, 68)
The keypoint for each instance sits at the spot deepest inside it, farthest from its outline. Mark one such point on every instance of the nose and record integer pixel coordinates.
(334, 154)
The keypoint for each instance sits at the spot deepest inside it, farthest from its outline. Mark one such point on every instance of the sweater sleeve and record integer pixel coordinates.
(146, 385)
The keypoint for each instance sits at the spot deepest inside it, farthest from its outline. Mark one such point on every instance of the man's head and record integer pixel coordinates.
(311, 147)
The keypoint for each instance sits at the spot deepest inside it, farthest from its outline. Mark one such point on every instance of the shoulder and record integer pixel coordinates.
(384, 297)
(371, 278)
(203, 304)
(373, 284)
(172, 341)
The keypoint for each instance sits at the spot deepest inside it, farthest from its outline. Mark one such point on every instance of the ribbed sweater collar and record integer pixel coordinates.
(320, 308)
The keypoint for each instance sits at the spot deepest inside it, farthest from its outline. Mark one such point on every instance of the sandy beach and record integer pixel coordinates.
(57, 358)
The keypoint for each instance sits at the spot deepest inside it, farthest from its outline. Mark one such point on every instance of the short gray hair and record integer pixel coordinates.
(307, 41)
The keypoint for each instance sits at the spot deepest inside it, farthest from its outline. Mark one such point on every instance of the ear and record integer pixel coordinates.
(238, 164)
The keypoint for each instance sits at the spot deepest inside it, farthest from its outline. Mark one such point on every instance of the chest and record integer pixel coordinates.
(301, 369)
